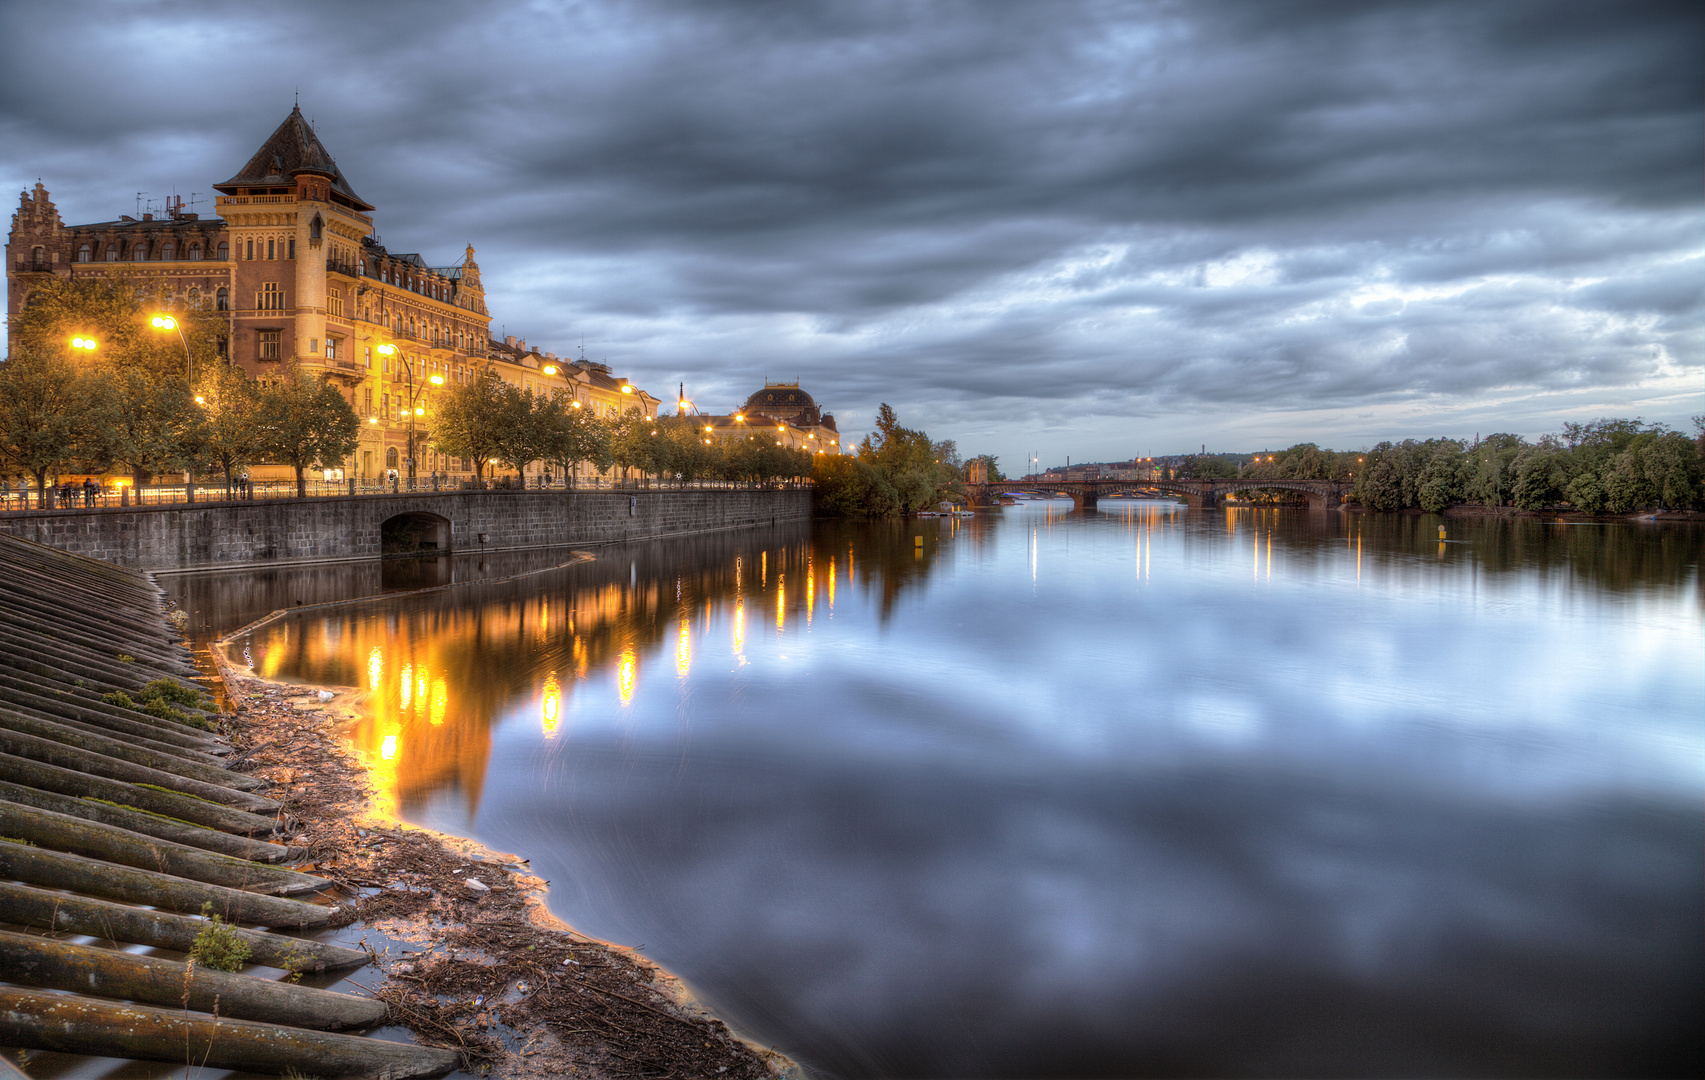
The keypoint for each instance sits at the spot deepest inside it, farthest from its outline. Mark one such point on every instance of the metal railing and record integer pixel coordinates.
(76, 497)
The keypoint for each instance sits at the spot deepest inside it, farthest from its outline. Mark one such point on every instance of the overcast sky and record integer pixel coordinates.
(1095, 229)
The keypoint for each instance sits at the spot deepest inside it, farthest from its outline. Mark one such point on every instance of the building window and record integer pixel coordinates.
(334, 304)
(224, 251)
(292, 254)
(271, 344)
(313, 344)
(385, 405)
(84, 254)
(139, 251)
(391, 458)
(271, 249)
(270, 298)
(222, 300)
(249, 250)
(314, 228)
(168, 252)
(112, 253)
(368, 351)
(195, 299)
(224, 345)
(195, 253)
(367, 401)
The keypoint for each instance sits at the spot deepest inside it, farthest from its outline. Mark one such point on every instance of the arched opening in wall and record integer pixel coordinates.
(413, 533)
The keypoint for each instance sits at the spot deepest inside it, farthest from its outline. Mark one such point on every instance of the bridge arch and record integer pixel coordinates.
(414, 531)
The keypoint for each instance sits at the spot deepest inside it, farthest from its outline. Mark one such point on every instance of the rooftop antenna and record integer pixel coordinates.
(139, 195)
(193, 196)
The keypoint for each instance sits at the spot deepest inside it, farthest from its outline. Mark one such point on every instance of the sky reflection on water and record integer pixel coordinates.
(1141, 792)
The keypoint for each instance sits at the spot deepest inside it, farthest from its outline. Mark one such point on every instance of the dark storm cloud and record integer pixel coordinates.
(1011, 216)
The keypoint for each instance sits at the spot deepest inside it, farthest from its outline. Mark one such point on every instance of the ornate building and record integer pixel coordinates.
(293, 261)
(780, 411)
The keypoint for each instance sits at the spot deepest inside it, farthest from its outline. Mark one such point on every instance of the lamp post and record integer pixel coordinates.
(166, 322)
(414, 408)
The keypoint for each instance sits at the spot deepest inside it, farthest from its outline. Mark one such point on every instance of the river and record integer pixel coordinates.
(1143, 791)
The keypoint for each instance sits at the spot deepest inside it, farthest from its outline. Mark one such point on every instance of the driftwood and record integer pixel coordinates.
(26, 906)
(62, 832)
(97, 764)
(151, 980)
(57, 870)
(40, 1020)
(180, 832)
(127, 750)
(50, 775)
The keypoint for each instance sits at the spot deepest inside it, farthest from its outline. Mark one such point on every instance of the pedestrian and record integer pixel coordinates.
(89, 490)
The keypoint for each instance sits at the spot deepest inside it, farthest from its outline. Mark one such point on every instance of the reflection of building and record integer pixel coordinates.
(784, 412)
(293, 262)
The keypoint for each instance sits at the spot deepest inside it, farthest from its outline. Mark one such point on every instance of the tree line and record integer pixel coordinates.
(1604, 466)
(149, 400)
(492, 422)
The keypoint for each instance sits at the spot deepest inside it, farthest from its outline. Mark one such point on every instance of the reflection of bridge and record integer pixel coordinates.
(1321, 494)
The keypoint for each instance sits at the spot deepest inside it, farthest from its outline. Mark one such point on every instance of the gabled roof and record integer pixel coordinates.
(292, 149)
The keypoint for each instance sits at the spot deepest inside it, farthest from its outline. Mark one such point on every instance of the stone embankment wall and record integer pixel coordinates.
(294, 531)
(121, 819)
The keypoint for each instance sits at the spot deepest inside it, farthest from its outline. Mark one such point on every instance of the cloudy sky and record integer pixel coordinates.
(1093, 229)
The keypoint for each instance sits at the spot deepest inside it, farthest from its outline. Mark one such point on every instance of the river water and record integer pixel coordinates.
(1143, 791)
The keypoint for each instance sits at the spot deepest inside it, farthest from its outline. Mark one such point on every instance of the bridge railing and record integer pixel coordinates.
(76, 497)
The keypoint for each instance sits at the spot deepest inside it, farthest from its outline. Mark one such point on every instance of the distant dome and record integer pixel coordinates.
(784, 396)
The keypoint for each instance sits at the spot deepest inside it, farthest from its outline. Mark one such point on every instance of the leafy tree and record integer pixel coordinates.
(305, 422)
(469, 419)
(520, 438)
(1539, 479)
(1437, 483)
(50, 413)
(230, 401)
(156, 426)
(567, 436)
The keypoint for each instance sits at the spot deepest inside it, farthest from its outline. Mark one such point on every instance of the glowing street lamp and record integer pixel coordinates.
(86, 343)
(166, 322)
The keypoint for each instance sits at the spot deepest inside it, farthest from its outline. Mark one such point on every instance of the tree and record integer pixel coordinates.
(305, 422)
(156, 426)
(519, 438)
(1207, 467)
(230, 402)
(50, 414)
(567, 436)
(470, 417)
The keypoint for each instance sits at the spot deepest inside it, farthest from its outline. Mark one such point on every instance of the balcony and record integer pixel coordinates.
(32, 266)
(252, 200)
(338, 266)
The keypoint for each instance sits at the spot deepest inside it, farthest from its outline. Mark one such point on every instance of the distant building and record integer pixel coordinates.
(293, 261)
(783, 412)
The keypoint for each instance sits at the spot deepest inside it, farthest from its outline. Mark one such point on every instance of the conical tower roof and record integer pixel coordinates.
(292, 149)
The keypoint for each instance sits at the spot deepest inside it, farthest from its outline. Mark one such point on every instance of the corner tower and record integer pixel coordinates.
(291, 216)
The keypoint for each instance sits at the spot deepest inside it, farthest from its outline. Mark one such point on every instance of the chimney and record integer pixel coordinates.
(522, 345)
(509, 340)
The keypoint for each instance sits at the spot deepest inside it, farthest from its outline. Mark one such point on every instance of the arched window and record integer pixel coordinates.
(391, 458)
(139, 251)
(224, 251)
(195, 253)
(272, 249)
(112, 253)
(314, 228)
(249, 250)
(84, 254)
(168, 252)
(222, 299)
(195, 298)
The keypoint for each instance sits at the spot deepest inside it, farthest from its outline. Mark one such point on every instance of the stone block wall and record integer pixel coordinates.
(297, 531)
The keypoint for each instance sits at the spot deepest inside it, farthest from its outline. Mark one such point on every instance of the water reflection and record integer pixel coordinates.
(1142, 792)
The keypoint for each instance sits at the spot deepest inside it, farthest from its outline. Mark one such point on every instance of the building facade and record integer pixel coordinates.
(293, 262)
(783, 412)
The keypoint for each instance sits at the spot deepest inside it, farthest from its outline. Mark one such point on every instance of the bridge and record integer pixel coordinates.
(1084, 494)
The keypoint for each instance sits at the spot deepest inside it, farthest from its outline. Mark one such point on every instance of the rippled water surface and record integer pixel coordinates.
(1143, 791)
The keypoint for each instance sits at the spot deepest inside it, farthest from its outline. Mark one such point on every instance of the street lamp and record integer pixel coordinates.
(166, 322)
(415, 410)
(87, 343)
